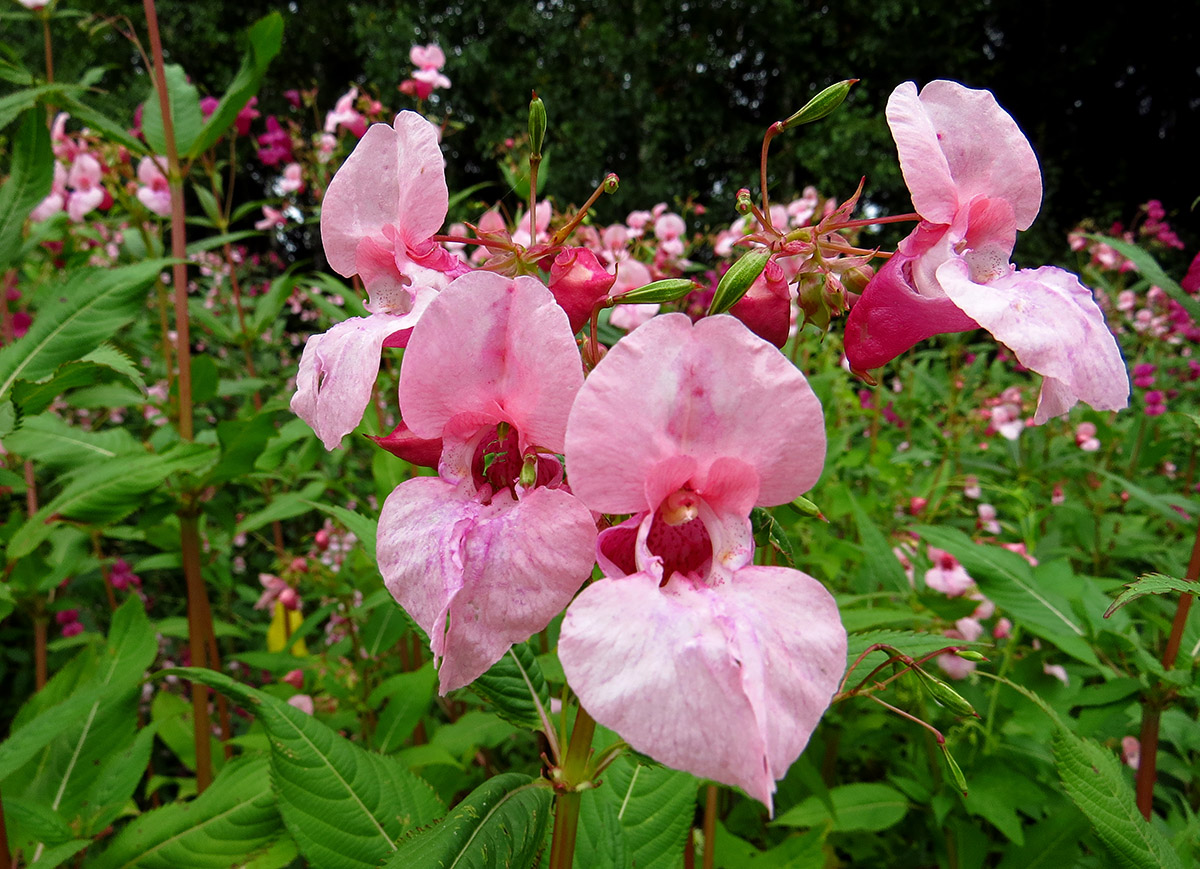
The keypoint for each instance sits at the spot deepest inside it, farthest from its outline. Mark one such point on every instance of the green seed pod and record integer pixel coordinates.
(537, 126)
(945, 695)
(955, 770)
(668, 290)
(971, 655)
(736, 282)
(821, 105)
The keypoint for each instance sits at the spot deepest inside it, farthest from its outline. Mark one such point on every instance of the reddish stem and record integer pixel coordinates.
(1147, 772)
(772, 131)
(710, 826)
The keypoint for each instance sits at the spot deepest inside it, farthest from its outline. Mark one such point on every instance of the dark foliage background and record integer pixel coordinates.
(674, 96)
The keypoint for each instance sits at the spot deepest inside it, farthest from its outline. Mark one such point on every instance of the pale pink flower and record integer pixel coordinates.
(1085, 437)
(154, 192)
(975, 182)
(272, 217)
(947, 575)
(429, 60)
(56, 200)
(377, 217)
(987, 518)
(686, 649)
(87, 190)
(955, 667)
(293, 179)
(1058, 671)
(303, 702)
(477, 558)
(344, 114)
(1131, 751)
(971, 488)
(273, 587)
(1002, 629)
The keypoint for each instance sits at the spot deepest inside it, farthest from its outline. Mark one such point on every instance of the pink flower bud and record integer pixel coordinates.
(72, 629)
(766, 309)
(295, 678)
(289, 598)
(321, 540)
(578, 281)
(64, 617)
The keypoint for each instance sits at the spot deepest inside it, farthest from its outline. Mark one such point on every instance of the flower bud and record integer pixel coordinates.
(577, 282)
(529, 469)
(736, 282)
(611, 182)
(744, 203)
(855, 280)
(658, 292)
(811, 297)
(289, 598)
(295, 678)
(821, 105)
(537, 126)
(833, 295)
(766, 308)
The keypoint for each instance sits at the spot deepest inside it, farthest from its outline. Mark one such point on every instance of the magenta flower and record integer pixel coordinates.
(344, 114)
(427, 77)
(975, 182)
(489, 551)
(690, 652)
(378, 214)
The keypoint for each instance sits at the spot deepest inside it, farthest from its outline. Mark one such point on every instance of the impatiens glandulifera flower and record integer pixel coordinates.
(377, 217)
(975, 182)
(154, 192)
(345, 115)
(429, 59)
(489, 551)
(691, 653)
(578, 281)
(87, 189)
(766, 309)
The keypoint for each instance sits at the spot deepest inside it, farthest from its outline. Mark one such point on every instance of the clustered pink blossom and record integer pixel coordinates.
(427, 77)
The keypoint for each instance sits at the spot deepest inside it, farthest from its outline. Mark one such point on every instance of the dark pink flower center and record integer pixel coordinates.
(679, 538)
(498, 461)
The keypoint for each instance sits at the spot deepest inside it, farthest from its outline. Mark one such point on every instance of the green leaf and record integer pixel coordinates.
(1151, 583)
(860, 807)
(242, 442)
(185, 112)
(409, 696)
(501, 823)
(115, 131)
(29, 179)
(93, 305)
(265, 38)
(50, 440)
(1152, 271)
(344, 806)
(1162, 504)
(361, 526)
(600, 840)
(286, 506)
(655, 806)
(34, 398)
(1006, 579)
(108, 491)
(233, 819)
(173, 717)
(1050, 844)
(131, 648)
(268, 306)
(1092, 778)
(511, 684)
(118, 779)
(881, 562)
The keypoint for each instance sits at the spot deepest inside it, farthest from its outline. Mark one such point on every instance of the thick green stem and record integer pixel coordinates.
(566, 801)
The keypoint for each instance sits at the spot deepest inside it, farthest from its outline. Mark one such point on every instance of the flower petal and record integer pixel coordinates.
(394, 177)
(1054, 326)
(337, 371)
(480, 577)
(707, 391)
(727, 683)
(491, 345)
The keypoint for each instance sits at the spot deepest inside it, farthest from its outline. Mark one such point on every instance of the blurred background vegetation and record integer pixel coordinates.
(674, 96)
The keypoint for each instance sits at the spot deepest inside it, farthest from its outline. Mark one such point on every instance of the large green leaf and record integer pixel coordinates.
(408, 697)
(1151, 583)
(50, 440)
(186, 116)
(600, 840)
(502, 823)
(119, 777)
(1092, 778)
(131, 648)
(860, 807)
(511, 684)
(655, 806)
(108, 491)
(233, 819)
(265, 38)
(1006, 579)
(92, 306)
(29, 180)
(881, 561)
(105, 363)
(344, 806)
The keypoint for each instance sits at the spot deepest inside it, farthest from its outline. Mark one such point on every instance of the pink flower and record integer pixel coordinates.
(87, 190)
(1131, 751)
(303, 702)
(766, 309)
(377, 217)
(272, 217)
(947, 575)
(293, 178)
(154, 192)
(489, 551)
(57, 200)
(345, 115)
(987, 518)
(1085, 437)
(429, 60)
(975, 182)
(276, 144)
(245, 116)
(273, 587)
(690, 652)
(1002, 629)
(1058, 671)
(578, 281)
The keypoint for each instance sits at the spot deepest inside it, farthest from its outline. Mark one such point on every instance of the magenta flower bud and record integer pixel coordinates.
(611, 182)
(289, 598)
(72, 629)
(245, 116)
(321, 540)
(766, 309)
(208, 105)
(578, 281)
(66, 616)
(295, 678)
(299, 565)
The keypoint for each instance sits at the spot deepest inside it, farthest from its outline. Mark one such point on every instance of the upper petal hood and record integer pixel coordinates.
(709, 391)
(394, 177)
(492, 345)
